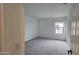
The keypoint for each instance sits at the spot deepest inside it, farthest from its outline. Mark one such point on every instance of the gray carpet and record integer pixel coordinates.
(42, 46)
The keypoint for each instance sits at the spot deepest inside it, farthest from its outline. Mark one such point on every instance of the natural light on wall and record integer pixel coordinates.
(59, 27)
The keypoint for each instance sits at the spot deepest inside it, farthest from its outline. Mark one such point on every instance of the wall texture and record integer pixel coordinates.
(31, 28)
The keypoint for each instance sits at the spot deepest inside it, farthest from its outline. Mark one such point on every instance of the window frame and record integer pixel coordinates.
(58, 27)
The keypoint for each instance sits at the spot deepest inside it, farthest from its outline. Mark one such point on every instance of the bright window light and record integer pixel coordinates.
(59, 27)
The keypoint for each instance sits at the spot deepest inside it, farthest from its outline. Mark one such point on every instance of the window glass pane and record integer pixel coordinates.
(59, 24)
(59, 27)
(59, 30)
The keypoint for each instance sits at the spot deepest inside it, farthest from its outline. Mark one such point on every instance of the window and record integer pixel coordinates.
(59, 27)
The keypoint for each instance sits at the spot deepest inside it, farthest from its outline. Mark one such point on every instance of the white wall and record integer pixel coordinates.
(43, 27)
(47, 27)
(68, 33)
(31, 28)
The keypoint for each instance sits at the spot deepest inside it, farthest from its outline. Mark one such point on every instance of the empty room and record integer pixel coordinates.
(39, 29)
(47, 28)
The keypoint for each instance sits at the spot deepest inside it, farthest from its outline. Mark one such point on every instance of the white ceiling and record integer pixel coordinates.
(47, 10)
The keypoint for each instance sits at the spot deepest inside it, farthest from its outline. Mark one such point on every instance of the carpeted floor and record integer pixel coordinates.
(42, 46)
